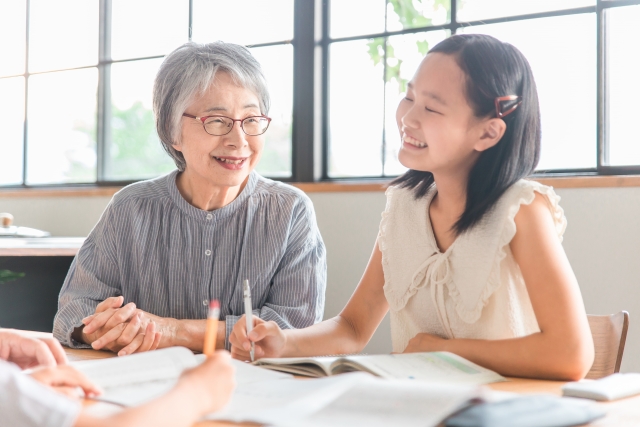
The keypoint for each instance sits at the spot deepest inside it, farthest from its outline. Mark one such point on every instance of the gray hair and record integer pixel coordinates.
(189, 71)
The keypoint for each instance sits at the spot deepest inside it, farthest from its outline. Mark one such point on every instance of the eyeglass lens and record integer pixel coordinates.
(252, 126)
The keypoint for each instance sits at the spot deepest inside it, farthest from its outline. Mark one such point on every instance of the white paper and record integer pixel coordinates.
(353, 399)
(383, 403)
(139, 378)
(273, 402)
(164, 364)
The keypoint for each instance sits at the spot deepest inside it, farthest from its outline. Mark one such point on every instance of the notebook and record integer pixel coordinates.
(138, 378)
(429, 367)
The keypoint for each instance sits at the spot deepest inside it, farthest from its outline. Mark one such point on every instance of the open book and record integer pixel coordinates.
(430, 367)
(138, 378)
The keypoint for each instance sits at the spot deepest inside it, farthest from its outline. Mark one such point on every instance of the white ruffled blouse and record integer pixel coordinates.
(472, 290)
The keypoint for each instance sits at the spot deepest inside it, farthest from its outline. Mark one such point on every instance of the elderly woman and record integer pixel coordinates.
(164, 248)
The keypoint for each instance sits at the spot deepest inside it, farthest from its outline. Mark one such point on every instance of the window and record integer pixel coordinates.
(76, 79)
(375, 46)
(76, 86)
(267, 27)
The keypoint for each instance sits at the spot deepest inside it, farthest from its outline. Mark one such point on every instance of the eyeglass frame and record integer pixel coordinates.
(233, 122)
(502, 114)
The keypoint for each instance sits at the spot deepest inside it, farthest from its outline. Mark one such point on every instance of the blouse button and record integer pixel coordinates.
(205, 302)
(207, 252)
(209, 216)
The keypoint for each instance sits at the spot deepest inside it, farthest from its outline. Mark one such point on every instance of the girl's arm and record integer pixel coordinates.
(348, 332)
(563, 349)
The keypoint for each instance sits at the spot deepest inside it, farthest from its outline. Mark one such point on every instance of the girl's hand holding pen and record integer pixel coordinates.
(269, 339)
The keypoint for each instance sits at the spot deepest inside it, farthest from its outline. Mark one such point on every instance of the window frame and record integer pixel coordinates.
(602, 101)
(311, 43)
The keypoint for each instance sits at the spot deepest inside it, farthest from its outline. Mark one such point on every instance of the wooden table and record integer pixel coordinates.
(620, 413)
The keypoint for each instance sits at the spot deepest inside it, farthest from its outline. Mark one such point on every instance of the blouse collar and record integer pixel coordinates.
(215, 214)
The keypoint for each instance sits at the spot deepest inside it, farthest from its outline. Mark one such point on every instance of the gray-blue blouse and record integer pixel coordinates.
(170, 258)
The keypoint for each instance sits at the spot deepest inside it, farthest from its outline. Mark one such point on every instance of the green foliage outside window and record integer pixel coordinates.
(409, 17)
(135, 150)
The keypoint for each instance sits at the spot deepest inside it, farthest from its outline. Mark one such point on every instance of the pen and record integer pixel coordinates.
(248, 312)
(212, 328)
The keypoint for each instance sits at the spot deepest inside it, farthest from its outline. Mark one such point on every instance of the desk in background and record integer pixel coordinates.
(31, 302)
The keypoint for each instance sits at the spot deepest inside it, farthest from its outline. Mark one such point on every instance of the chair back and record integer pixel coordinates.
(609, 335)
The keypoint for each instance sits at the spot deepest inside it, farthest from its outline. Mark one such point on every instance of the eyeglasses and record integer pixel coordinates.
(222, 125)
(503, 111)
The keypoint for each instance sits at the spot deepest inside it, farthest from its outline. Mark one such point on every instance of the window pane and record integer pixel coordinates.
(63, 34)
(562, 54)
(474, 10)
(13, 20)
(61, 134)
(420, 13)
(277, 65)
(133, 149)
(624, 87)
(356, 17)
(148, 27)
(242, 21)
(356, 106)
(11, 129)
(404, 54)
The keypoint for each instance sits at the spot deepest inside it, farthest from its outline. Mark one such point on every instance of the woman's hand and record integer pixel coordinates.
(29, 352)
(124, 330)
(269, 339)
(66, 380)
(210, 383)
(425, 342)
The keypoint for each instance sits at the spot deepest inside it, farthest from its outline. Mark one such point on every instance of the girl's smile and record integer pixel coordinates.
(412, 143)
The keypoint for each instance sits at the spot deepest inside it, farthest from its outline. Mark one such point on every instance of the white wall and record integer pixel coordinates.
(602, 242)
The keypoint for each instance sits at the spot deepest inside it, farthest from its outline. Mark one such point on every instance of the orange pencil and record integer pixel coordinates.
(212, 328)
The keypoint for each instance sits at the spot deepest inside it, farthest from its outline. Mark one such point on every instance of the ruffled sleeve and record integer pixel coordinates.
(477, 260)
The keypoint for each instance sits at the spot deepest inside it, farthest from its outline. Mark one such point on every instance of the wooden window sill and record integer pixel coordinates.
(601, 181)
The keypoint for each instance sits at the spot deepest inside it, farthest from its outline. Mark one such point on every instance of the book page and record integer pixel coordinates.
(136, 394)
(134, 380)
(430, 367)
(384, 403)
(276, 402)
(164, 364)
(309, 366)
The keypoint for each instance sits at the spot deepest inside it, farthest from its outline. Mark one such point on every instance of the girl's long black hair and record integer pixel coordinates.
(493, 69)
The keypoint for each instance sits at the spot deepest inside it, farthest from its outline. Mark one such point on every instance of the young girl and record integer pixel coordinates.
(469, 257)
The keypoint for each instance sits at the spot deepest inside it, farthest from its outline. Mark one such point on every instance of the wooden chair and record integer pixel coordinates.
(609, 335)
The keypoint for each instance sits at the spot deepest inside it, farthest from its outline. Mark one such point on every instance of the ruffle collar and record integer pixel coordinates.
(470, 268)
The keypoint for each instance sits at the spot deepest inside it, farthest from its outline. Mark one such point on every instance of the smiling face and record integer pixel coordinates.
(437, 125)
(227, 160)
